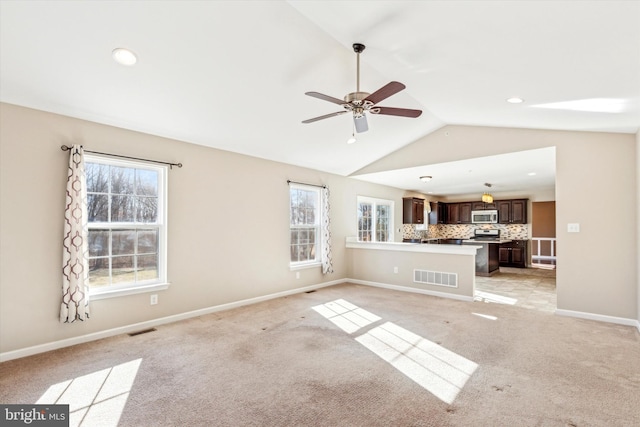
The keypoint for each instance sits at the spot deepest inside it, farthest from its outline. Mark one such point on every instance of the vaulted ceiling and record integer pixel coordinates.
(233, 75)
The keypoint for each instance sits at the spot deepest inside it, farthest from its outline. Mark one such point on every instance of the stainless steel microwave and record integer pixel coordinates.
(484, 217)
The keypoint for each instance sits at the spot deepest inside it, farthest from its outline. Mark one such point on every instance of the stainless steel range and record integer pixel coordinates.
(491, 235)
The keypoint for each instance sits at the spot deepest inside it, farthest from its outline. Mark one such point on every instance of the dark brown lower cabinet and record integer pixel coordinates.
(513, 254)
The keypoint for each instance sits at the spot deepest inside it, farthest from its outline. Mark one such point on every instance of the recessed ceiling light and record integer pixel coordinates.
(515, 100)
(124, 56)
(531, 173)
(426, 178)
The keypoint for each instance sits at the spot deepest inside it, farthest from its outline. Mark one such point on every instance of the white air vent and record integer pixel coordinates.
(439, 278)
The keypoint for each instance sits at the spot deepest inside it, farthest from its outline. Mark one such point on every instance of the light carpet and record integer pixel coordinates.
(347, 355)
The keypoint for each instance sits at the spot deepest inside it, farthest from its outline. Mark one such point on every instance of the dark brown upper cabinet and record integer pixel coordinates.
(482, 206)
(512, 211)
(438, 214)
(464, 212)
(412, 210)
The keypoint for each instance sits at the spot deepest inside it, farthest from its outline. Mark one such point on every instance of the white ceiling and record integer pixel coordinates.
(232, 75)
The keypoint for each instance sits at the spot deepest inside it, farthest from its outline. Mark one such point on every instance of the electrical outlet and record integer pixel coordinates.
(395, 270)
(297, 274)
(154, 299)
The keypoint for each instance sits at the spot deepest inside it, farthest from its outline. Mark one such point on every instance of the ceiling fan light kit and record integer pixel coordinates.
(358, 103)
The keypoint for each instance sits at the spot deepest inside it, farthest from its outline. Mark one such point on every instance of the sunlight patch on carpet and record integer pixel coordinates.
(348, 317)
(95, 399)
(440, 371)
(486, 316)
(495, 298)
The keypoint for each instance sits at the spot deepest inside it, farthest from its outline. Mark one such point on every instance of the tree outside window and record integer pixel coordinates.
(125, 203)
(305, 222)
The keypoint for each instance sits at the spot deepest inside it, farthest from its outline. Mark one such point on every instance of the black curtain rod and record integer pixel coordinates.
(171, 165)
(304, 183)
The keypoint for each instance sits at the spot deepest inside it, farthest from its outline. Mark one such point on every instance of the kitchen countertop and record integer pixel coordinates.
(486, 241)
(353, 243)
(478, 241)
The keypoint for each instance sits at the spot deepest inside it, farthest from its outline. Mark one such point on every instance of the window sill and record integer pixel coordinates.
(305, 266)
(113, 293)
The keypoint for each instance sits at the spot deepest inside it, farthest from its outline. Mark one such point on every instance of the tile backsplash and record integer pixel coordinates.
(462, 231)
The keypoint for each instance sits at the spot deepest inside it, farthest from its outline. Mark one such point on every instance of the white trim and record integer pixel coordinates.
(599, 317)
(303, 266)
(413, 290)
(95, 294)
(54, 345)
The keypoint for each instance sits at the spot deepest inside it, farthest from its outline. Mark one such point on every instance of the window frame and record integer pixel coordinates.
(143, 286)
(375, 202)
(317, 226)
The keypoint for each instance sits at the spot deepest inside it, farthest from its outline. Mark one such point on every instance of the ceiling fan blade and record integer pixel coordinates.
(325, 97)
(390, 111)
(326, 116)
(361, 123)
(384, 92)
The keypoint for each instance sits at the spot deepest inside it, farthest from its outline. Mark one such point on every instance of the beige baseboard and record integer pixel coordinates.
(414, 290)
(599, 317)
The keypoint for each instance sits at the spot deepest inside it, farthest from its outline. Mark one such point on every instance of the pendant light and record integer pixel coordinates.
(486, 197)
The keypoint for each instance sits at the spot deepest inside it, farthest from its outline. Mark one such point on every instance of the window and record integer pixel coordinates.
(375, 220)
(305, 219)
(126, 206)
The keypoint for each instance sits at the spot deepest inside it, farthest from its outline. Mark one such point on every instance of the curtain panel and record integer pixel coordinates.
(75, 247)
(327, 262)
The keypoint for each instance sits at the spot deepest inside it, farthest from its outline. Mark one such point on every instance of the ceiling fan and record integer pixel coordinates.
(359, 103)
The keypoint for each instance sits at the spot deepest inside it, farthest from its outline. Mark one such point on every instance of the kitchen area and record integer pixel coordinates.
(498, 227)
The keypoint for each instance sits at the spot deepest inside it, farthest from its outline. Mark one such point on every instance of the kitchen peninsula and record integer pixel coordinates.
(487, 257)
(440, 270)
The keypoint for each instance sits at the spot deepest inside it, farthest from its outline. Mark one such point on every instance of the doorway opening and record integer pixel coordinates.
(543, 235)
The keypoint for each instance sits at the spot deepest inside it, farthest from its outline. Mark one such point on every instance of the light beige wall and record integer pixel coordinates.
(228, 226)
(595, 186)
(228, 217)
(378, 266)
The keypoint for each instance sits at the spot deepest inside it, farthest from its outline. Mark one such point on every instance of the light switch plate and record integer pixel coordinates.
(573, 228)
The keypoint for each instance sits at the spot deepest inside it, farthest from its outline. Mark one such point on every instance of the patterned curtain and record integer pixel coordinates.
(327, 263)
(75, 253)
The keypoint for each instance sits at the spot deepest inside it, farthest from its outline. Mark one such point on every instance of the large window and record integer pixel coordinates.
(375, 220)
(305, 219)
(126, 206)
